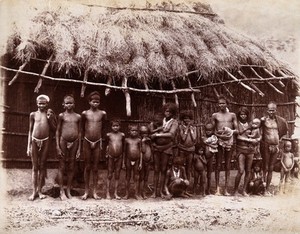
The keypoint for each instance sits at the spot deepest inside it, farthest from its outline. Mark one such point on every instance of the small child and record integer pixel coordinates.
(187, 136)
(147, 157)
(92, 120)
(256, 186)
(68, 143)
(200, 165)
(287, 164)
(41, 122)
(225, 137)
(176, 182)
(157, 124)
(211, 148)
(133, 159)
(254, 133)
(114, 153)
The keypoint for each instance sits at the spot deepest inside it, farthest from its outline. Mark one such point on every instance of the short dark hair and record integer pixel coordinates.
(115, 121)
(186, 113)
(130, 126)
(69, 95)
(222, 97)
(171, 106)
(93, 94)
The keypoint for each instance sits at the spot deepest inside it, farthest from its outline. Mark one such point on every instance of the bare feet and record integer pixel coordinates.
(117, 196)
(69, 194)
(236, 194)
(85, 196)
(95, 196)
(137, 197)
(226, 193)
(41, 196)
(32, 197)
(154, 195)
(245, 194)
(218, 192)
(126, 197)
(62, 195)
(108, 196)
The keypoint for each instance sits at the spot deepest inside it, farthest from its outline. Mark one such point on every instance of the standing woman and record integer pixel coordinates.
(245, 150)
(163, 141)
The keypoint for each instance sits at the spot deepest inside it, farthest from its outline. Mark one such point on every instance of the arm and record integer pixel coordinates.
(124, 154)
(31, 123)
(235, 124)
(57, 135)
(171, 133)
(141, 155)
(79, 138)
(83, 119)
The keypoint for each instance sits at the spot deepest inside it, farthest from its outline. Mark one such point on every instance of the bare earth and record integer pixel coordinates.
(210, 214)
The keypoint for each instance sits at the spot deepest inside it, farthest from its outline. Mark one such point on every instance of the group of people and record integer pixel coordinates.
(173, 146)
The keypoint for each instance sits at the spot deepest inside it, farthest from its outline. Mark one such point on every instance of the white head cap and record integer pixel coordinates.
(43, 96)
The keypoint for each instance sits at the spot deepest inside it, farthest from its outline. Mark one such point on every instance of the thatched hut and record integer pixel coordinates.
(137, 59)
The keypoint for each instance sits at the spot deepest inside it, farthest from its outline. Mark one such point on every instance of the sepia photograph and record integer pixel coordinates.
(149, 116)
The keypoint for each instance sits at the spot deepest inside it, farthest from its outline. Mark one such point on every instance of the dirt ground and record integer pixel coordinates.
(210, 214)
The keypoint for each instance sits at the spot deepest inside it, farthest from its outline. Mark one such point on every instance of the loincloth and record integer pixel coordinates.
(226, 144)
(39, 142)
(167, 149)
(94, 143)
(70, 143)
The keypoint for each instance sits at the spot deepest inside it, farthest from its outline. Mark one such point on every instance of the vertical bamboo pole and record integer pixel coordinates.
(85, 78)
(127, 96)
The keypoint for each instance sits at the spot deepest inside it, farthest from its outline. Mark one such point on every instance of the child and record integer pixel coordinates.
(287, 164)
(92, 120)
(114, 153)
(176, 182)
(254, 133)
(163, 143)
(157, 124)
(200, 164)
(41, 122)
(187, 136)
(147, 157)
(211, 149)
(256, 186)
(68, 143)
(133, 159)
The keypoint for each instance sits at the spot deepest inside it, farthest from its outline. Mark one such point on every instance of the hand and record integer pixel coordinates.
(60, 154)
(78, 154)
(251, 183)
(140, 167)
(29, 152)
(264, 184)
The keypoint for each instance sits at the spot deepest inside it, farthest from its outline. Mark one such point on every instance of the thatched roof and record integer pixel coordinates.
(144, 45)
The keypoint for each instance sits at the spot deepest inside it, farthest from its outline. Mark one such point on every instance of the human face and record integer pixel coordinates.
(187, 120)
(144, 131)
(243, 116)
(288, 146)
(271, 110)
(222, 104)
(134, 132)
(168, 114)
(256, 168)
(200, 151)
(115, 127)
(209, 131)
(94, 103)
(255, 123)
(69, 103)
(42, 104)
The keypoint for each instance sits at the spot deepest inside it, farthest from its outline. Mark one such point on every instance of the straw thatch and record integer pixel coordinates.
(140, 44)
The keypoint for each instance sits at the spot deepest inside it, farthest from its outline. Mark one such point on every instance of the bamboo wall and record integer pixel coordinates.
(20, 101)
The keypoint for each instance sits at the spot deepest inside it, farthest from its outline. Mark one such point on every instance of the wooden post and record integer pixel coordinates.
(164, 98)
(236, 79)
(270, 73)
(175, 95)
(127, 96)
(192, 95)
(39, 84)
(83, 86)
(18, 72)
(273, 87)
(107, 90)
(252, 85)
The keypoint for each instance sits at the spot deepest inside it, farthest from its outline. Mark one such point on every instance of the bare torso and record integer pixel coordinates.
(115, 144)
(288, 160)
(271, 135)
(187, 138)
(93, 124)
(41, 127)
(222, 120)
(133, 148)
(146, 149)
(70, 126)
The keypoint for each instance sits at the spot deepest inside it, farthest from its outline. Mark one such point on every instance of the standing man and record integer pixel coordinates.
(274, 128)
(225, 126)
